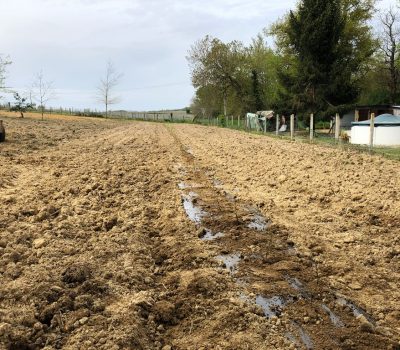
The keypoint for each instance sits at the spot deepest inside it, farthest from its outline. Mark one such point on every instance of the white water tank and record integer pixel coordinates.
(386, 131)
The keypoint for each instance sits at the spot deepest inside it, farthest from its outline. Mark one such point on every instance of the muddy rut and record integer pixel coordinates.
(267, 275)
(118, 235)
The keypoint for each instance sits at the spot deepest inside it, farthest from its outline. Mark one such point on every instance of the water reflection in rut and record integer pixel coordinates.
(336, 321)
(304, 336)
(194, 213)
(271, 306)
(210, 236)
(257, 220)
(230, 261)
(357, 311)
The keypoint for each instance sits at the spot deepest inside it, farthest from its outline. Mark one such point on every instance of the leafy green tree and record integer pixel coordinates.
(206, 103)
(262, 65)
(233, 78)
(256, 91)
(374, 87)
(214, 63)
(21, 104)
(325, 49)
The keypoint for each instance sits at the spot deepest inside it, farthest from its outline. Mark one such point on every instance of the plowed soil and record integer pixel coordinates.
(134, 235)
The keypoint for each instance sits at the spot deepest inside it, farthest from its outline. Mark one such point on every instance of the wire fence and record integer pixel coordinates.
(167, 115)
(323, 134)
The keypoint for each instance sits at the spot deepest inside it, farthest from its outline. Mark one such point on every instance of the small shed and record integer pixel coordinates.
(361, 113)
(386, 131)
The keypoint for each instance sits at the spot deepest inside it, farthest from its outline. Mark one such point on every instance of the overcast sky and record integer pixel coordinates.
(72, 40)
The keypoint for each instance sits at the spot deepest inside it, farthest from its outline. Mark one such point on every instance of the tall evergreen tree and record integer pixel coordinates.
(325, 49)
(314, 33)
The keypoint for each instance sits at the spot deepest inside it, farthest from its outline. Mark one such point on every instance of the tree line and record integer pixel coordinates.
(326, 58)
(42, 90)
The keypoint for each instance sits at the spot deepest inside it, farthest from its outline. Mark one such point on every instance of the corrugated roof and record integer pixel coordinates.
(381, 120)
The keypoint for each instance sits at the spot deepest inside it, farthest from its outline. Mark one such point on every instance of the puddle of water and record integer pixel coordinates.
(193, 212)
(230, 261)
(274, 306)
(295, 283)
(258, 221)
(291, 338)
(209, 236)
(336, 321)
(357, 311)
(304, 336)
(271, 306)
(245, 298)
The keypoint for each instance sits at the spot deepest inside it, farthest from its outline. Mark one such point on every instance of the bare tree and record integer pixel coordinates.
(106, 87)
(43, 91)
(389, 45)
(4, 62)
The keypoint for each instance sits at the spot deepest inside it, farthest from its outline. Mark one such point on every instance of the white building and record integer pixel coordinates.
(386, 131)
(362, 113)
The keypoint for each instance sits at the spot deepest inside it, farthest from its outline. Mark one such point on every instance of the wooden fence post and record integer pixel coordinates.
(337, 127)
(371, 131)
(311, 127)
(277, 125)
(292, 127)
(356, 115)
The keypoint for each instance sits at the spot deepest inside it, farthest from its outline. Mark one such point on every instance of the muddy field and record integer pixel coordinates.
(134, 235)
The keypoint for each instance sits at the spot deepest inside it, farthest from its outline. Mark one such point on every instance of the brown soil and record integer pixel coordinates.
(98, 252)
